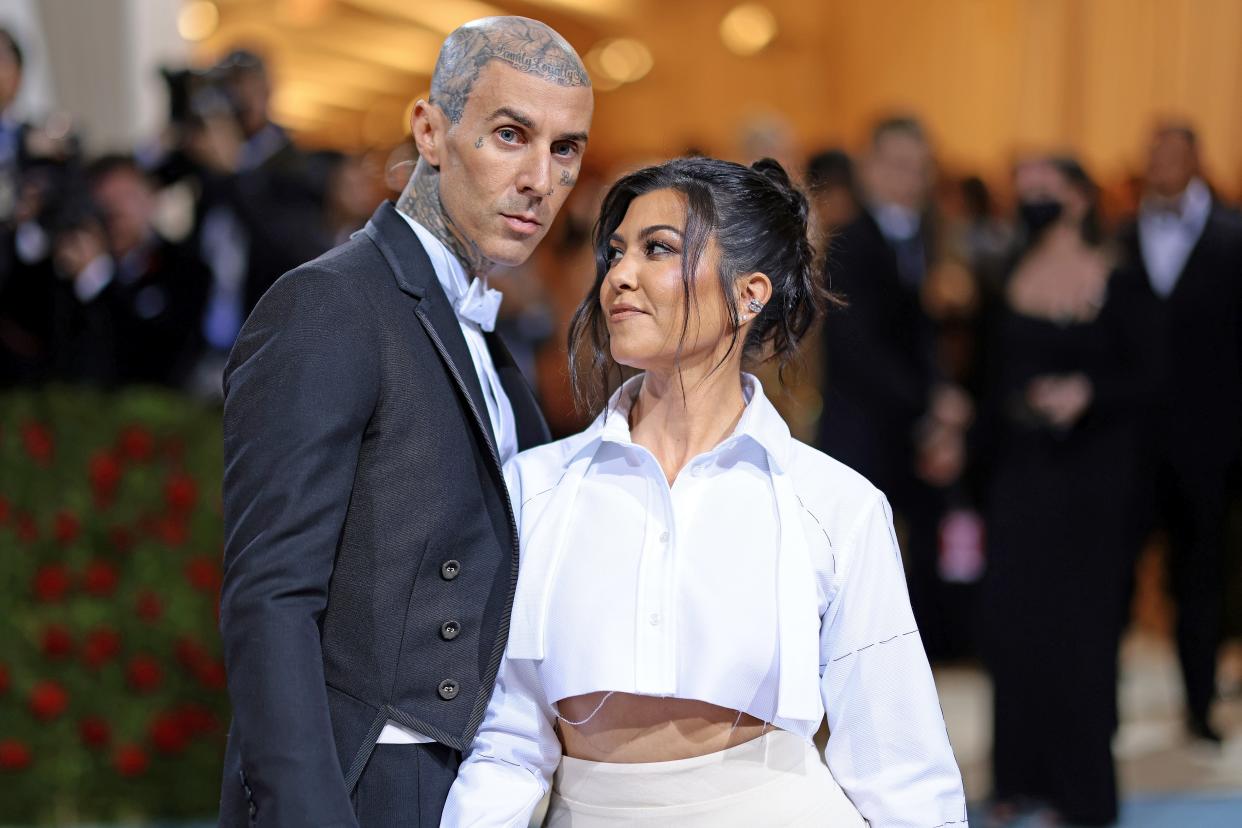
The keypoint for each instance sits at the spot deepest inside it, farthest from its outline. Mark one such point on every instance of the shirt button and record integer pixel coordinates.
(664, 537)
(448, 689)
(450, 570)
(654, 618)
(450, 630)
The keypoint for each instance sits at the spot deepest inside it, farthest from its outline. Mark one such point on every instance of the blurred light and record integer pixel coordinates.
(748, 29)
(442, 16)
(302, 12)
(58, 125)
(198, 20)
(618, 61)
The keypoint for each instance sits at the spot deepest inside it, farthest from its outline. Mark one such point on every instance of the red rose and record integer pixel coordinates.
(51, 582)
(144, 673)
(211, 675)
(5, 681)
(94, 732)
(14, 755)
(190, 654)
(27, 529)
(68, 527)
(48, 700)
(101, 646)
(136, 444)
(5, 509)
(37, 439)
(203, 573)
(105, 475)
(149, 606)
(196, 719)
(167, 733)
(180, 492)
(121, 539)
(57, 641)
(130, 760)
(100, 579)
(172, 530)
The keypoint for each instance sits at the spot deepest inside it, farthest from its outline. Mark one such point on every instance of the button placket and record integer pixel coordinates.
(654, 647)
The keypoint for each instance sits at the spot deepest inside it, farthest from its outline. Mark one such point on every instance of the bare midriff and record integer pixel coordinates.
(629, 728)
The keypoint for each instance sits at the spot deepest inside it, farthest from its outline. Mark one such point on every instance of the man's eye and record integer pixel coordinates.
(566, 150)
(509, 136)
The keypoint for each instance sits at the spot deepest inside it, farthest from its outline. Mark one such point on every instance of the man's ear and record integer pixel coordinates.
(428, 126)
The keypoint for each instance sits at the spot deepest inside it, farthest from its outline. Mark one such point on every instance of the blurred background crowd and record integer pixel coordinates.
(1042, 368)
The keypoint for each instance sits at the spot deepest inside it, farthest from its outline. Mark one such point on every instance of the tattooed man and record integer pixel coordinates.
(371, 552)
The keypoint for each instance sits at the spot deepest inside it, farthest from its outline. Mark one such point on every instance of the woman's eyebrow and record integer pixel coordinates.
(655, 228)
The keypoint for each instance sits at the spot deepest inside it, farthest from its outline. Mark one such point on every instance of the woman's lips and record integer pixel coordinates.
(619, 312)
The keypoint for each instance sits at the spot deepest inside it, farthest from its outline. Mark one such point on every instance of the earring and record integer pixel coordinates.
(754, 305)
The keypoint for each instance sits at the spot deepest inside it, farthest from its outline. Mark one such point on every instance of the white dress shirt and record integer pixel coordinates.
(766, 579)
(1167, 237)
(452, 277)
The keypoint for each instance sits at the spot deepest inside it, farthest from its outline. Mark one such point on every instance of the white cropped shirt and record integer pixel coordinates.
(766, 579)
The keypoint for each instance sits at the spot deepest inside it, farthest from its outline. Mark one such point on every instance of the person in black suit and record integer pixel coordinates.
(887, 412)
(1187, 251)
(261, 211)
(160, 286)
(371, 553)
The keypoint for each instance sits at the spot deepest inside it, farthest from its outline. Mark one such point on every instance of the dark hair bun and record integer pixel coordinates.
(772, 170)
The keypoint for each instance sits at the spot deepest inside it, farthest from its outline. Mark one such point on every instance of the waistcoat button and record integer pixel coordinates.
(450, 630)
(450, 570)
(448, 689)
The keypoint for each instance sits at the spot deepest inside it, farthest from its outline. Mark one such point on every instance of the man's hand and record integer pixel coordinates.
(1061, 400)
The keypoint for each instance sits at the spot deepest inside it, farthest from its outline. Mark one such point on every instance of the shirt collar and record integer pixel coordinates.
(449, 270)
(1193, 204)
(760, 421)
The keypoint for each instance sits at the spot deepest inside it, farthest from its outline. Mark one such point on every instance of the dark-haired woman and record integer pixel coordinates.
(1072, 374)
(697, 588)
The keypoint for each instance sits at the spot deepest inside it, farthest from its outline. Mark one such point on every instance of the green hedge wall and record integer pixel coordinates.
(112, 691)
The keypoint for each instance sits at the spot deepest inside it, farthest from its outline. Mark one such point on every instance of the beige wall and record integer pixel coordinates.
(991, 77)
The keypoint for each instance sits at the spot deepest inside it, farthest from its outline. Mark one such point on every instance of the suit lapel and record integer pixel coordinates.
(532, 429)
(415, 276)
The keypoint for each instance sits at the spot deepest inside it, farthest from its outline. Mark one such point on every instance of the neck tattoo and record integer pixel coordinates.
(421, 202)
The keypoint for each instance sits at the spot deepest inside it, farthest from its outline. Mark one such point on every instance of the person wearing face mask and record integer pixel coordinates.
(697, 587)
(1071, 372)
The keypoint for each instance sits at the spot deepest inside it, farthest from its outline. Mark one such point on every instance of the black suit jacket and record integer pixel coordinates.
(878, 357)
(364, 507)
(1198, 422)
(157, 314)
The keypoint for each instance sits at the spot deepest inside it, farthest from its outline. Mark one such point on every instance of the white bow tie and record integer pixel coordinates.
(480, 305)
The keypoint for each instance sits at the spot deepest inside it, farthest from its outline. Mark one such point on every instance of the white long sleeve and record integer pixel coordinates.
(888, 747)
(511, 762)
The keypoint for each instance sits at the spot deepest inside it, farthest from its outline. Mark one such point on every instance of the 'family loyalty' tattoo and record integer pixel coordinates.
(479, 143)
(567, 180)
(526, 45)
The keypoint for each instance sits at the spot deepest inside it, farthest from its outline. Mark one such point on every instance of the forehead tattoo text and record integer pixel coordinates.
(525, 45)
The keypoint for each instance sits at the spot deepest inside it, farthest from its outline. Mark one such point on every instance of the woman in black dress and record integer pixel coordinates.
(1061, 435)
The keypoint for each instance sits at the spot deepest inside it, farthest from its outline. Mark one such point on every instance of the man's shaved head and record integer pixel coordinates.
(527, 45)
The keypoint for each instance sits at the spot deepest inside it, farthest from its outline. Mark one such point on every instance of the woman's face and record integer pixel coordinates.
(642, 296)
(1039, 180)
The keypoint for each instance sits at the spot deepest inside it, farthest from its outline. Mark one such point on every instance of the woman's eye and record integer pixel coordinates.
(614, 255)
(654, 247)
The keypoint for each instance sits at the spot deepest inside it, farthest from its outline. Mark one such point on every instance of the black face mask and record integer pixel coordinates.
(1038, 216)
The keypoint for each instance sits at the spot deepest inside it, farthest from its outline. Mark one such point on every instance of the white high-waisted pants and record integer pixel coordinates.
(774, 780)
